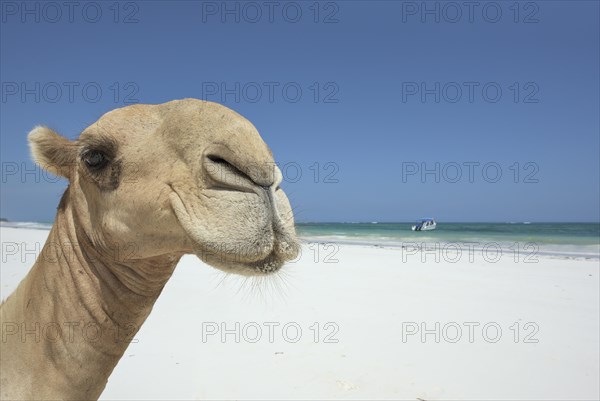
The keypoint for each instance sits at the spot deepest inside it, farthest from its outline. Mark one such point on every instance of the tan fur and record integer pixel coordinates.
(183, 177)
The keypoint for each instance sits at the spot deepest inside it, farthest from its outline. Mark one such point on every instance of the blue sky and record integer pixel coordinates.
(386, 93)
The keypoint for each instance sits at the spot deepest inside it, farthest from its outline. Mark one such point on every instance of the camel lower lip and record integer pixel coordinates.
(268, 265)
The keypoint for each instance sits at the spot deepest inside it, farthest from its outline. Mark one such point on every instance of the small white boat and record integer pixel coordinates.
(424, 225)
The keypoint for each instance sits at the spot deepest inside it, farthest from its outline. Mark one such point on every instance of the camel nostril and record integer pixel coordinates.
(222, 170)
(225, 167)
(216, 159)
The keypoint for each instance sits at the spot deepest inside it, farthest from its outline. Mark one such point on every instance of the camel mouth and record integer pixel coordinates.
(265, 266)
(239, 259)
(243, 238)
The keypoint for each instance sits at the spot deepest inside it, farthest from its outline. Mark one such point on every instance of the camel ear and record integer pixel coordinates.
(53, 152)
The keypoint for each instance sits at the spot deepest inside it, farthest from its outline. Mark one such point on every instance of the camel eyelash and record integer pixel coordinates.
(100, 143)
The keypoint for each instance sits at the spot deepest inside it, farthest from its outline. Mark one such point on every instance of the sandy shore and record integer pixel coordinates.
(357, 322)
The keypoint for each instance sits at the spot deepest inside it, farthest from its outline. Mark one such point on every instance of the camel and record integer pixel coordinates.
(147, 184)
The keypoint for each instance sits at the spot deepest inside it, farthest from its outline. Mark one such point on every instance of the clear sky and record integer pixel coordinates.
(356, 99)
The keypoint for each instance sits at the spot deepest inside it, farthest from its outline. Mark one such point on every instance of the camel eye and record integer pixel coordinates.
(95, 159)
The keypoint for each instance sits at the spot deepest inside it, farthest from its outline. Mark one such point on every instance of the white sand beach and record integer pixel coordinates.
(352, 328)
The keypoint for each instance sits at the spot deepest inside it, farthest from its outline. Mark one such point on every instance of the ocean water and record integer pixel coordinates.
(567, 239)
(562, 239)
(32, 225)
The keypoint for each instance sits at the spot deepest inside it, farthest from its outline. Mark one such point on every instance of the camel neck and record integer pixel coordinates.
(79, 307)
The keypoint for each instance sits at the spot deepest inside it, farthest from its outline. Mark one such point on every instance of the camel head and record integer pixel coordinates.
(187, 176)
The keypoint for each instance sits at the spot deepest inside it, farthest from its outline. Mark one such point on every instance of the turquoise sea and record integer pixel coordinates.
(565, 239)
(568, 239)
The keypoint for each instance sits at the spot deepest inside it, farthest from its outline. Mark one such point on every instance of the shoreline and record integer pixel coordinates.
(453, 247)
(422, 244)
